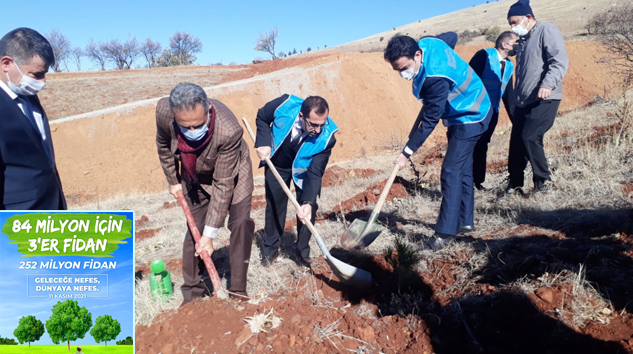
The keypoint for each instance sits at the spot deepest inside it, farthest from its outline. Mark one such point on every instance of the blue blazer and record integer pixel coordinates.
(28, 178)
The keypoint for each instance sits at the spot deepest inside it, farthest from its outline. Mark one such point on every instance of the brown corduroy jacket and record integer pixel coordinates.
(224, 167)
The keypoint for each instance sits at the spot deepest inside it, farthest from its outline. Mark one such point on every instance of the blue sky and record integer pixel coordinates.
(15, 304)
(227, 29)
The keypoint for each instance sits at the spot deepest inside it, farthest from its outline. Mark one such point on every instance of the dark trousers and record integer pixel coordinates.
(242, 228)
(481, 150)
(529, 125)
(276, 207)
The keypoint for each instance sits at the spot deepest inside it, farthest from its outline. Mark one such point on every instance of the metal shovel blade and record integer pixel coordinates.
(349, 274)
(358, 235)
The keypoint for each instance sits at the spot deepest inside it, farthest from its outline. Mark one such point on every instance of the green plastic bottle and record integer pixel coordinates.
(160, 281)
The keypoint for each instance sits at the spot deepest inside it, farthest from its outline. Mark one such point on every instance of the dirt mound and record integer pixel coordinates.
(315, 319)
(370, 196)
(336, 175)
(146, 233)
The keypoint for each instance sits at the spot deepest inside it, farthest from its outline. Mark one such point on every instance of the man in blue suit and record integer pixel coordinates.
(451, 91)
(28, 174)
(495, 69)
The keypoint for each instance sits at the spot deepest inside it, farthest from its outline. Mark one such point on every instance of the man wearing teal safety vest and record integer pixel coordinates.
(451, 91)
(494, 68)
(298, 136)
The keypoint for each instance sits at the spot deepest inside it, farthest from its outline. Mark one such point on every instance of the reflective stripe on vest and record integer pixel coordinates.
(467, 100)
(285, 116)
(491, 77)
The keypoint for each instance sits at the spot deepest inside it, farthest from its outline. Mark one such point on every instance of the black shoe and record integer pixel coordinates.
(268, 261)
(512, 190)
(479, 187)
(542, 187)
(466, 229)
(307, 262)
(438, 241)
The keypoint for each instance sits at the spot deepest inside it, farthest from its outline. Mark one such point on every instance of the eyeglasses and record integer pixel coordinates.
(313, 125)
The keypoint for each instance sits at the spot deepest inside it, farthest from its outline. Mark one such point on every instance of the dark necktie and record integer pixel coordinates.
(503, 67)
(28, 112)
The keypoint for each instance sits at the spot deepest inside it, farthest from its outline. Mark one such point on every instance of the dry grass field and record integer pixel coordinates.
(557, 266)
(548, 273)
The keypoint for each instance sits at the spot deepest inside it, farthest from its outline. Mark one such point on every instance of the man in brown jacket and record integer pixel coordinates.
(202, 153)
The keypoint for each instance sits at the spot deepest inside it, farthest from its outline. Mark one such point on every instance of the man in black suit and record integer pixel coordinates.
(28, 174)
(298, 136)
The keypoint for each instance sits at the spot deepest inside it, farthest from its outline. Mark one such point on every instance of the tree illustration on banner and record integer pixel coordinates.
(68, 322)
(106, 329)
(30, 329)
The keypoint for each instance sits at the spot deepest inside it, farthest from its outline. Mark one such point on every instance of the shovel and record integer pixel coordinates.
(361, 233)
(218, 289)
(345, 272)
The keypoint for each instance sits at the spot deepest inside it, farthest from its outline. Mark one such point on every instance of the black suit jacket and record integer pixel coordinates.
(28, 178)
(314, 177)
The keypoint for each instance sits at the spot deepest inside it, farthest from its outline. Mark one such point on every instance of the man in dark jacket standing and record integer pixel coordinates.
(450, 91)
(298, 136)
(28, 172)
(494, 68)
(541, 65)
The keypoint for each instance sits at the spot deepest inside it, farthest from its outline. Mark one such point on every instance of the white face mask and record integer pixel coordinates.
(410, 73)
(28, 86)
(196, 134)
(519, 30)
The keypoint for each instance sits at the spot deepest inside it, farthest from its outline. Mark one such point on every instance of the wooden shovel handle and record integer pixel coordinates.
(218, 289)
(383, 195)
(285, 188)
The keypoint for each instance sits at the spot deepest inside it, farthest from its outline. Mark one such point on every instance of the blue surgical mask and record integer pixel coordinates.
(196, 134)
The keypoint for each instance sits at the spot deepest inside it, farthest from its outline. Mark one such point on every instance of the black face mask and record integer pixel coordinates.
(512, 52)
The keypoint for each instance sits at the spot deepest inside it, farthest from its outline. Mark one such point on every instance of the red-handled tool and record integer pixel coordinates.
(218, 289)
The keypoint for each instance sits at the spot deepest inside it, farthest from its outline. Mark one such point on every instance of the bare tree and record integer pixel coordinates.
(121, 54)
(77, 53)
(183, 46)
(151, 51)
(266, 42)
(615, 28)
(94, 52)
(61, 48)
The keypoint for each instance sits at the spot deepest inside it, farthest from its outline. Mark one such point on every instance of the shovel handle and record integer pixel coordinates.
(383, 195)
(218, 289)
(288, 192)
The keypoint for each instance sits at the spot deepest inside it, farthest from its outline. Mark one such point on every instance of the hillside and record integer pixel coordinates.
(569, 15)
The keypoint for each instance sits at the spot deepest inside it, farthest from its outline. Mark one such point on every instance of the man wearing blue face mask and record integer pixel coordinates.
(452, 92)
(541, 65)
(203, 155)
(28, 174)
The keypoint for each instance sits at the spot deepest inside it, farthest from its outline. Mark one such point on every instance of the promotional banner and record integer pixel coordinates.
(67, 281)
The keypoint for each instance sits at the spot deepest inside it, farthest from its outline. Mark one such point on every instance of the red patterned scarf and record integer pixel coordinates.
(190, 150)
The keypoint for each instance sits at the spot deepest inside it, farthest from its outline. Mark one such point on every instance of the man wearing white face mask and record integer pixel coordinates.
(451, 91)
(203, 155)
(28, 174)
(541, 65)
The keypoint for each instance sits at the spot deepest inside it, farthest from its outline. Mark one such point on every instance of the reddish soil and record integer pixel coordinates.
(258, 202)
(169, 205)
(141, 221)
(336, 175)
(627, 188)
(370, 196)
(146, 233)
(314, 306)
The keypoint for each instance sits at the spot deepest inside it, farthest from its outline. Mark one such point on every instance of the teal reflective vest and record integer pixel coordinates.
(467, 100)
(491, 77)
(285, 116)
